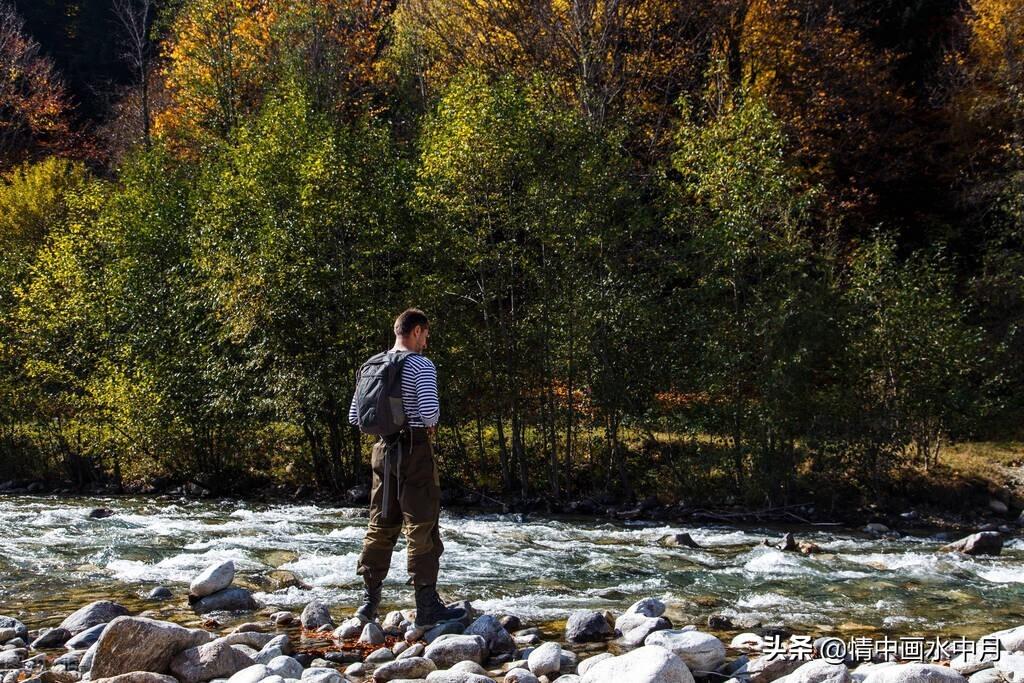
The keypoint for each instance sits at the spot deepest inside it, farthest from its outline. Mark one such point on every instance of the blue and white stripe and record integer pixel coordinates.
(419, 393)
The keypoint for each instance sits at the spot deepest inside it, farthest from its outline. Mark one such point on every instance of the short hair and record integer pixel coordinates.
(408, 320)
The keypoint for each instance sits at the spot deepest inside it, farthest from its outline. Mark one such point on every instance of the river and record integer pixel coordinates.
(54, 558)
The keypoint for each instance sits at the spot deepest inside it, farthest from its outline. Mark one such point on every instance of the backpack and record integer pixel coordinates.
(378, 397)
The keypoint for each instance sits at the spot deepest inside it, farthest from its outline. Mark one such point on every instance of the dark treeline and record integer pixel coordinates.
(718, 250)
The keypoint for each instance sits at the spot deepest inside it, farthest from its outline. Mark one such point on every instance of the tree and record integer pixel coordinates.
(33, 105)
(302, 252)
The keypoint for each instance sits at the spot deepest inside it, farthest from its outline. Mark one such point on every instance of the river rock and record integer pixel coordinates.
(914, 673)
(215, 577)
(986, 676)
(350, 628)
(86, 638)
(968, 663)
(589, 662)
(10, 659)
(521, 676)
(137, 677)
(635, 627)
(7, 633)
(456, 677)
(372, 634)
(250, 674)
(584, 626)
(140, 644)
(499, 641)
(99, 612)
(51, 638)
(160, 593)
(451, 649)
(316, 615)
(231, 599)
(253, 639)
(321, 674)
(285, 667)
(649, 607)
(648, 664)
(699, 651)
(394, 623)
(20, 630)
(981, 543)
(545, 659)
(445, 628)
(409, 667)
(682, 540)
(1011, 639)
(379, 656)
(819, 671)
(414, 650)
(765, 669)
(217, 659)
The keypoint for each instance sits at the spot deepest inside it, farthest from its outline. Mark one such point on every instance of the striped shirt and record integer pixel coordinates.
(419, 393)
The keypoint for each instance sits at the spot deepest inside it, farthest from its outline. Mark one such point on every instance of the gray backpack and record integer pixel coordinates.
(379, 394)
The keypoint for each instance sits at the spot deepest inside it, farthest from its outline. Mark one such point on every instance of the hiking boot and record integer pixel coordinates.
(430, 610)
(371, 601)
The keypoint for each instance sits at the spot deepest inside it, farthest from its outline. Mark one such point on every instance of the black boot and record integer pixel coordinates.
(371, 601)
(430, 610)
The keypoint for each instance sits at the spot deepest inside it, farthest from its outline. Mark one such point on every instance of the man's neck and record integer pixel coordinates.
(399, 346)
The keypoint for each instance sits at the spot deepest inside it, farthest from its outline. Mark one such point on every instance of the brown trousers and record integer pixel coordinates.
(405, 496)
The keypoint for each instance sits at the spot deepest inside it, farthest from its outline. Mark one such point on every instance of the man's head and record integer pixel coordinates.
(412, 329)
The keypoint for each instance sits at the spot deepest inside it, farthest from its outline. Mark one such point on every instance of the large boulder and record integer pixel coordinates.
(648, 664)
(407, 667)
(499, 641)
(139, 644)
(699, 651)
(451, 649)
(914, 673)
(217, 659)
(93, 614)
(981, 543)
(231, 599)
(214, 578)
(585, 626)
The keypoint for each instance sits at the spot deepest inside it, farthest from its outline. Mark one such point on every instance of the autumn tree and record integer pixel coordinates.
(33, 104)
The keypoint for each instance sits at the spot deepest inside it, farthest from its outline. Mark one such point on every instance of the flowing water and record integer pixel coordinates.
(54, 558)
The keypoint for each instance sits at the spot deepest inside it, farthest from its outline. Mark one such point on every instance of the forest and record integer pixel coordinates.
(732, 251)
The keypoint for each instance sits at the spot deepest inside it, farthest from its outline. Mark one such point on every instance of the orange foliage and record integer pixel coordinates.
(33, 105)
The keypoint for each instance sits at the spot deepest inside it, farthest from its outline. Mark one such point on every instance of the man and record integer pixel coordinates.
(406, 492)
